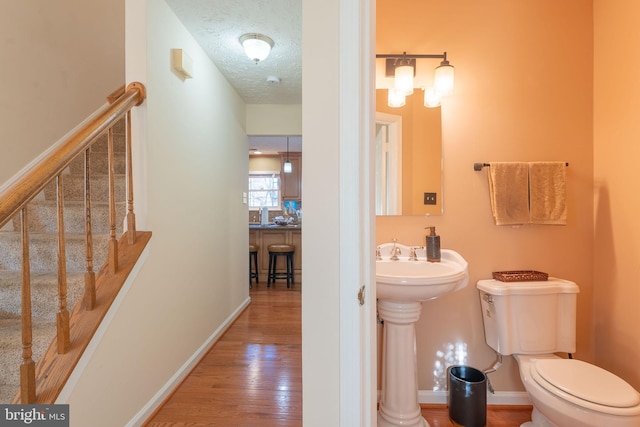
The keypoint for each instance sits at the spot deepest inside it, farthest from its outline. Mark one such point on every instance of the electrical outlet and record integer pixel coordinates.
(430, 198)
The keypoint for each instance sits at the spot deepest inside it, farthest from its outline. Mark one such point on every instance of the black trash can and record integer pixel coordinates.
(467, 396)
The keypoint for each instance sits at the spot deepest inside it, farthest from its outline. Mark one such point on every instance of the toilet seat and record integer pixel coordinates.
(586, 385)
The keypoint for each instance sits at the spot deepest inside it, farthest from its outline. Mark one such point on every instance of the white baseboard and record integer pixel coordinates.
(497, 398)
(185, 369)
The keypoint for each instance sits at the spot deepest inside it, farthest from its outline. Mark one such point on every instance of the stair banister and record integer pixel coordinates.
(31, 183)
(14, 200)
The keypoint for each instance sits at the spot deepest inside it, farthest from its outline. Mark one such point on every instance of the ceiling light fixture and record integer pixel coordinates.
(256, 46)
(287, 167)
(403, 69)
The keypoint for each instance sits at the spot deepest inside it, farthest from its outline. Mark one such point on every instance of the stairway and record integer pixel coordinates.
(42, 213)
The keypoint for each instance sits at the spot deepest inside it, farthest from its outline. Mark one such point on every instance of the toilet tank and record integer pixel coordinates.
(529, 317)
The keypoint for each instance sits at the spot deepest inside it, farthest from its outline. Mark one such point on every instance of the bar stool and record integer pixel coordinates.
(253, 259)
(274, 252)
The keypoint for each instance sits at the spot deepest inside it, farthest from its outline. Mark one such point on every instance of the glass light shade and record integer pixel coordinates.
(395, 99)
(443, 80)
(431, 98)
(403, 79)
(287, 167)
(256, 46)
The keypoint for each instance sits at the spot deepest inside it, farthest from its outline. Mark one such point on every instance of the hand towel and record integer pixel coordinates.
(547, 193)
(509, 192)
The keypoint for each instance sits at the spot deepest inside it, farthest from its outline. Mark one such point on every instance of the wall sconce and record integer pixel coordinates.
(256, 46)
(403, 68)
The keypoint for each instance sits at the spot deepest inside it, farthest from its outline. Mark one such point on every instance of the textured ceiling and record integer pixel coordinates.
(217, 26)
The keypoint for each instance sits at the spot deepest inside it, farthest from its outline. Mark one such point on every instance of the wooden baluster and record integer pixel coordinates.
(28, 366)
(62, 317)
(113, 242)
(90, 275)
(131, 217)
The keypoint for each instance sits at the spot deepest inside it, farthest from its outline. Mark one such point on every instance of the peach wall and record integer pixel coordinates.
(616, 172)
(523, 93)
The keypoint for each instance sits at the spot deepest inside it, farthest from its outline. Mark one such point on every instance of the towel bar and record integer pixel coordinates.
(478, 166)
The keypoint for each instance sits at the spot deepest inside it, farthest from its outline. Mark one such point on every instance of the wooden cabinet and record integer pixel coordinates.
(296, 240)
(263, 237)
(292, 182)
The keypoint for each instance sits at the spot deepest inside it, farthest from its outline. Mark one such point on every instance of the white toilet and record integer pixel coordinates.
(534, 320)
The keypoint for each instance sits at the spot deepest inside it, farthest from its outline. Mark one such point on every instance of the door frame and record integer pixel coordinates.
(358, 385)
(338, 121)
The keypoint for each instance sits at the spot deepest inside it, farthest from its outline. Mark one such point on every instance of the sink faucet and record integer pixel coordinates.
(412, 254)
(395, 251)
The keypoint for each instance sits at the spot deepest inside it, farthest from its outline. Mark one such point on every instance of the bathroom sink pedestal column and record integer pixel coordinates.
(399, 405)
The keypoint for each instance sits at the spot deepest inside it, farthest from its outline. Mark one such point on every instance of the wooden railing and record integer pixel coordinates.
(15, 198)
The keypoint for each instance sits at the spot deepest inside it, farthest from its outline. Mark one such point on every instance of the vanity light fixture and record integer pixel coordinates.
(403, 70)
(431, 98)
(287, 167)
(443, 79)
(403, 76)
(256, 46)
(395, 98)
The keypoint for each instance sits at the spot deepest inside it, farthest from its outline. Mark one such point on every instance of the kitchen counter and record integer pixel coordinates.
(270, 234)
(274, 226)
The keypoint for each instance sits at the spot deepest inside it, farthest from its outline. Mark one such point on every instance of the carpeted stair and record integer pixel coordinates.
(42, 214)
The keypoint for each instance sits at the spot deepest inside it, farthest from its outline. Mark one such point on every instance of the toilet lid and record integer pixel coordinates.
(587, 382)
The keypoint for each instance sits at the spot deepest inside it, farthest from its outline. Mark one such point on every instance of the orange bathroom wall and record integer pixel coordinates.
(523, 92)
(617, 177)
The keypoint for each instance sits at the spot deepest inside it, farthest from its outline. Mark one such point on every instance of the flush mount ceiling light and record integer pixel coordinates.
(256, 46)
(402, 67)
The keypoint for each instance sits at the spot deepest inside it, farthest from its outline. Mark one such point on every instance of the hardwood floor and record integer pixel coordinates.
(253, 374)
(252, 377)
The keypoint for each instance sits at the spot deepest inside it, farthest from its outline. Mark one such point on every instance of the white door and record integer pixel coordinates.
(357, 214)
(338, 333)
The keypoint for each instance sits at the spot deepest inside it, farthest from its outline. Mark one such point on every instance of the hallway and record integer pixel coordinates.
(252, 377)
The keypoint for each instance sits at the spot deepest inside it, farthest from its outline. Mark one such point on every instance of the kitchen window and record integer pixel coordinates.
(264, 190)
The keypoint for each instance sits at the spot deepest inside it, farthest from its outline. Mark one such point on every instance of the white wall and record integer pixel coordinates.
(196, 272)
(321, 255)
(274, 119)
(57, 68)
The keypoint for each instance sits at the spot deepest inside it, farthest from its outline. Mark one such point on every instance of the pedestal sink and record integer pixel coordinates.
(401, 287)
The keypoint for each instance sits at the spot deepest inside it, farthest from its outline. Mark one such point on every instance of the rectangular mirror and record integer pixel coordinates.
(408, 157)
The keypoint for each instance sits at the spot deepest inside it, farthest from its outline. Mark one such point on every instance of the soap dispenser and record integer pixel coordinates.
(433, 245)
